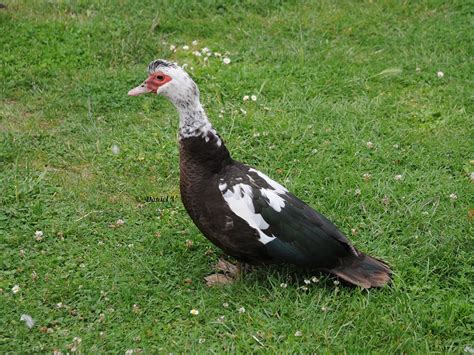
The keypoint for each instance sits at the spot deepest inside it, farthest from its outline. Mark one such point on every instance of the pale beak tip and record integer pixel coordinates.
(139, 90)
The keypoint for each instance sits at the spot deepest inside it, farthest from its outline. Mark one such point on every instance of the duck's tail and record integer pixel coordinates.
(364, 271)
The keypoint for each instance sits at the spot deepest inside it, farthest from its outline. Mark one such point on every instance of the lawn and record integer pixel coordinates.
(363, 109)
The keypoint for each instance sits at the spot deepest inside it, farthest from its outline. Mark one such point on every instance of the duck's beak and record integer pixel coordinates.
(139, 90)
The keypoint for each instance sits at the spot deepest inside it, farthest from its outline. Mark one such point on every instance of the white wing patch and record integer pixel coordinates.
(240, 202)
(278, 188)
(274, 200)
(264, 239)
(239, 199)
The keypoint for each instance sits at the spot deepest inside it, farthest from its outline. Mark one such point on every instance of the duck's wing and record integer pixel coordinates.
(290, 230)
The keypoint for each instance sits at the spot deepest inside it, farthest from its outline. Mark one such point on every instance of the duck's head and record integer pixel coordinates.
(170, 80)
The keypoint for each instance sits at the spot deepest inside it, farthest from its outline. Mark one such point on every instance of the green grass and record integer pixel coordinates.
(330, 76)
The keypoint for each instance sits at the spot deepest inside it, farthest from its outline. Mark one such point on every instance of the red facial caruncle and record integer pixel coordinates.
(151, 84)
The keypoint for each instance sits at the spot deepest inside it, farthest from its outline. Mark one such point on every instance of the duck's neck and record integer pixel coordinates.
(193, 122)
(201, 148)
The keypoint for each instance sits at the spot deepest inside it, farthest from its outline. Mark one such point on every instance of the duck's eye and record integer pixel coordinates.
(160, 77)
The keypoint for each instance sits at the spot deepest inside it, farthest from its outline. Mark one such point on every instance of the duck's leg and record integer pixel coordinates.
(228, 268)
(236, 271)
(226, 273)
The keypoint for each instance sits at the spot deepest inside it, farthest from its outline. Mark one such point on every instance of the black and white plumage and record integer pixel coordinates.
(243, 211)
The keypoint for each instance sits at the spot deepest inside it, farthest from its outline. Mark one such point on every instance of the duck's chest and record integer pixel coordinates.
(197, 188)
(204, 203)
(201, 163)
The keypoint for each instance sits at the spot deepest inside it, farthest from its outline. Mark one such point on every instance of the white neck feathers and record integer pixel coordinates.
(193, 121)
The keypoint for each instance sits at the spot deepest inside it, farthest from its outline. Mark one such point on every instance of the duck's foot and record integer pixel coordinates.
(218, 279)
(234, 271)
(226, 273)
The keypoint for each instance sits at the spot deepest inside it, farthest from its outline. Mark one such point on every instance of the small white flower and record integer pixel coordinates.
(242, 310)
(172, 47)
(77, 340)
(184, 66)
(398, 177)
(396, 146)
(440, 74)
(225, 305)
(226, 60)
(314, 279)
(208, 54)
(353, 231)
(243, 111)
(336, 282)
(28, 320)
(22, 253)
(324, 309)
(194, 43)
(115, 149)
(471, 176)
(185, 47)
(417, 69)
(283, 285)
(59, 305)
(298, 333)
(100, 242)
(304, 288)
(197, 53)
(370, 145)
(357, 192)
(217, 54)
(120, 222)
(206, 59)
(194, 312)
(307, 282)
(201, 340)
(453, 197)
(38, 235)
(366, 176)
(245, 98)
(253, 97)
(469, 349)
(221, 115)
(16, 289)
(129, 352)
(205, 50)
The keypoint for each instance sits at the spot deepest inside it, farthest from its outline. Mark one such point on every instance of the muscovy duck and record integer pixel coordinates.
(240, 209)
